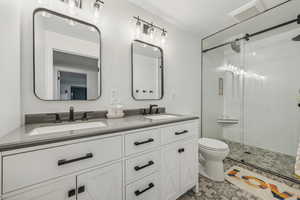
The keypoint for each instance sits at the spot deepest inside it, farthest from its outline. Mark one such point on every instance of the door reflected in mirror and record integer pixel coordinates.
(66, 58)
(147, 71)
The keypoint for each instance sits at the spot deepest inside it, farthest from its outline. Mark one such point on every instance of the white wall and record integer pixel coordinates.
(9, 66)
(182, 62)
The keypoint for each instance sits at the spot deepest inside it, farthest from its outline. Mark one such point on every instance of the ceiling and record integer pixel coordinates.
(201, 17)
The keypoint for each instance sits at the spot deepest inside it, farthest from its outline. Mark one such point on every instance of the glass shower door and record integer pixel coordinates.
(223, 95)
(272, 94)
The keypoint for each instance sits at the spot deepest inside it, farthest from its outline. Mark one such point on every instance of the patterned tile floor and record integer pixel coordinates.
(210, 190)
(276, 162)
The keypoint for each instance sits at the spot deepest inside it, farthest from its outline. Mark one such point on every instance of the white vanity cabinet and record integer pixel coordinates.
(179, 169)
(101, 184)
(64, 189)
(145, 164)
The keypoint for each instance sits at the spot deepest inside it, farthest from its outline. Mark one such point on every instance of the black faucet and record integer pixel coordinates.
(71, 114)
(151, 108)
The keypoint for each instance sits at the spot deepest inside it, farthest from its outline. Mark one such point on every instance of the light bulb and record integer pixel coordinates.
(151, 32)
(96, 9)
(163, 37)
(138, 29)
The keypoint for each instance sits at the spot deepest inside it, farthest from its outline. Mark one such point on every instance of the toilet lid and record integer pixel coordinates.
(213, 144)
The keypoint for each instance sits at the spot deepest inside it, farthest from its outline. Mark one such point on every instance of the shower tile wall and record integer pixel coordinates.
(218, 106)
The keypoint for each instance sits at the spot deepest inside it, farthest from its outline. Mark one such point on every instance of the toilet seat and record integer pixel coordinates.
(212, 144)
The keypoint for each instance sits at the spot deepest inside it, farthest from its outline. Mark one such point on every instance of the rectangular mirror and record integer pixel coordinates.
(147, 71)
(67, 62)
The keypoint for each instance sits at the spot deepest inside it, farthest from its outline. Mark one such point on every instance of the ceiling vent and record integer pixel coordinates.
(248, 10)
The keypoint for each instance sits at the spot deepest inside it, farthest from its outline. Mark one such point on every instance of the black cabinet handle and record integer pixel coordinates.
(81, 189)
(138, 168)
(64, 161)
(144, 142)
(181, 132)
(137, 193)
(71, 193)
(181, 150)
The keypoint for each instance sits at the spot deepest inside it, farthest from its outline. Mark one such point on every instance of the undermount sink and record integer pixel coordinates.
(160, 117)
(66, 127)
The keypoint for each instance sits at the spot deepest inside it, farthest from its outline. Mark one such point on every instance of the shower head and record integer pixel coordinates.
(297, 38)
(235, 46)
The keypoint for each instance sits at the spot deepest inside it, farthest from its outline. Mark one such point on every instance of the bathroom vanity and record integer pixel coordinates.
(127, 159)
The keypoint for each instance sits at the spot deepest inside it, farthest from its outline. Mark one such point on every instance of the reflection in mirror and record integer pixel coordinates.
(66, 58)
(147, 71)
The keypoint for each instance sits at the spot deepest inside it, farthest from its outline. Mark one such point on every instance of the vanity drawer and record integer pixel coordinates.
(29, 168)
(147, 188)
(142, 141)
(179, 132)
(142, 166)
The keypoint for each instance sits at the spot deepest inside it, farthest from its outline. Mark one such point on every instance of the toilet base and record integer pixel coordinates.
(213, 170)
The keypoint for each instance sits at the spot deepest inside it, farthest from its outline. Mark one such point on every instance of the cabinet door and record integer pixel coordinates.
(188, 165)
(170, 172)
(64, 189)
(101, 184)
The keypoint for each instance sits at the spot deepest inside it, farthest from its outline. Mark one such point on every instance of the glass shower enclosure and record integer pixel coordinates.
(251, 90)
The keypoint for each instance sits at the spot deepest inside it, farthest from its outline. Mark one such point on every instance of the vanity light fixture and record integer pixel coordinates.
(138, 28)
(73, 4)
(151, 32)
(147, 28)
(163, 37)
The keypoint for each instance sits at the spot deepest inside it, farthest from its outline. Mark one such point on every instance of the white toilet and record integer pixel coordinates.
(213, 152)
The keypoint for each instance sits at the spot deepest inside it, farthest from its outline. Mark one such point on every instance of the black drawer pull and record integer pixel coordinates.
(138, 193)
(64, 161)
(71, 193)
(144, 142)
(81, 189)
(138, 168)
(181, 150)
(181, 132)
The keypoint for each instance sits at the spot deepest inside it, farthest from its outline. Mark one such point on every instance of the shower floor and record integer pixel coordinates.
(276, 162)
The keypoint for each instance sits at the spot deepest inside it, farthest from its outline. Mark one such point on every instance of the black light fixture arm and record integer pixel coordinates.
(149, 23)
(99, 1)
